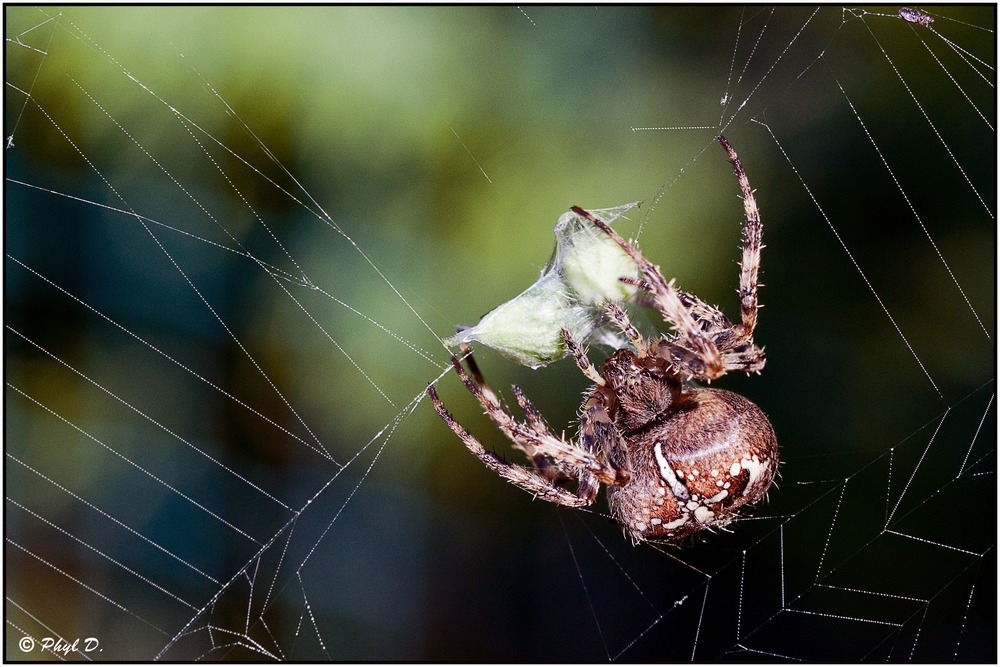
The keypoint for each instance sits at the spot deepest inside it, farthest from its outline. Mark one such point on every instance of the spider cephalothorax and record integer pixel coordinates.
(676, 457)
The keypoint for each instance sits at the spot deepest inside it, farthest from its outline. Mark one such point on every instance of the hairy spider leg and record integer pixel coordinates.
(738, 353)
(708, 344)
(477, 375)
(550, 469)
(752, 233)
(709, 318)
(580, 356)
(541, 440)
(542, 464)
(517, 475)
(618, 315)
(670, 305)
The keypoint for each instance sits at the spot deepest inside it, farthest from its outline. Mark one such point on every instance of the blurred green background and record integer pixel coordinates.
(444, 143)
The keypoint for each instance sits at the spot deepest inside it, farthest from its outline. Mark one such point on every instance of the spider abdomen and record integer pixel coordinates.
(695, 466)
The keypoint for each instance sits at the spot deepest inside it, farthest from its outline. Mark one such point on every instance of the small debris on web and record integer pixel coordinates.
(584, 272)
(917, 16)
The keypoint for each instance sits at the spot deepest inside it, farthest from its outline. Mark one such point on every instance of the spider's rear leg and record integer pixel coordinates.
(477, 375)
(550, 470)
(535, 421)
(534, 441)
(522, 477)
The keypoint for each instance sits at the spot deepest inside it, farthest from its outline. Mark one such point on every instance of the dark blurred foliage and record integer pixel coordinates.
(444, 142)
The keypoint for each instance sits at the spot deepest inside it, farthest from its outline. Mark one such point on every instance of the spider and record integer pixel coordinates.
(676, 457)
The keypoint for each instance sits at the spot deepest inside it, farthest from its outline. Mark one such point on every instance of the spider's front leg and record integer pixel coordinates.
(752, 233)
(667, 299)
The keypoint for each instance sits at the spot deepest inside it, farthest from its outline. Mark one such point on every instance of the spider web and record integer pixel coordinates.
(235, 237)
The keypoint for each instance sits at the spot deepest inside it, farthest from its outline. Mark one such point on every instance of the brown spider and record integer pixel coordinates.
(676, 457)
